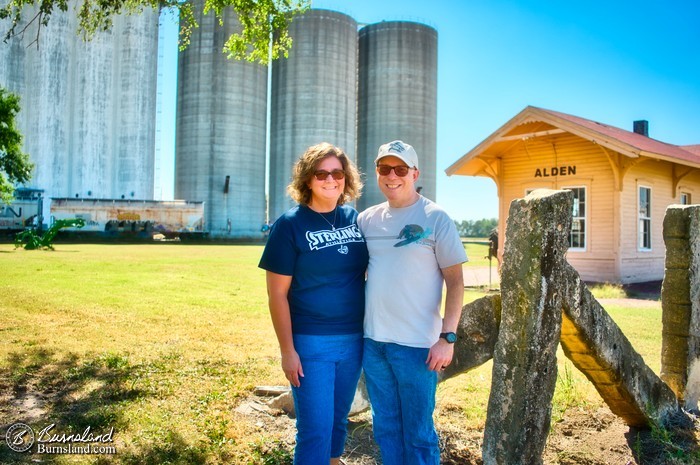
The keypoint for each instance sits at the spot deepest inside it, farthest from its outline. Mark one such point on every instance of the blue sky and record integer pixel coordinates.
(609, 61)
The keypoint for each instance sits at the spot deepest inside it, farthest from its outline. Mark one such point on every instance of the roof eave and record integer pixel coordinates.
(535, 114)
(658, 156)
(481, 148)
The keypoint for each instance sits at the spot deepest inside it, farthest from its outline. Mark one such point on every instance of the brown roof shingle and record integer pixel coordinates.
(646, 145)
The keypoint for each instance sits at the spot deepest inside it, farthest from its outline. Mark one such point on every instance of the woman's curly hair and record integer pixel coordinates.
(305, 167)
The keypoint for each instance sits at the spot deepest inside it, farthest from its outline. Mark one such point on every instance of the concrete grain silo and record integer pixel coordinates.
(221, 131)
(46, 106)
(12, 59)
(397, 98)
(75, 98)
(113, 101)
(313, 96)
(134, 124)
(91, 158)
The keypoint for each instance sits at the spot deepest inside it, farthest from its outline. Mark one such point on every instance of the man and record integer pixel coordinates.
(413, 247)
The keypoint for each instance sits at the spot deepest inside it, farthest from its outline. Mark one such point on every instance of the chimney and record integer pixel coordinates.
(642, 127)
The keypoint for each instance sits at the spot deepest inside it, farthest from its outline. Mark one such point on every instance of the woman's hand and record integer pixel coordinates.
(291, 365)
(277, 290)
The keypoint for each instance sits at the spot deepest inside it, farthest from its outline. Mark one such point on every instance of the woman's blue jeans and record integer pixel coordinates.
(402, 393)
(331, 366)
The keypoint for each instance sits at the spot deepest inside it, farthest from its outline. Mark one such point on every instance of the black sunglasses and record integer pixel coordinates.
(401, 170)
(322, 175)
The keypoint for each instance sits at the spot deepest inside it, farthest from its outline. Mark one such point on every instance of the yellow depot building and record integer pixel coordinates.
(622, 183)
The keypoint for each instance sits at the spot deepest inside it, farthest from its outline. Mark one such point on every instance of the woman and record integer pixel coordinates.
(315, 258)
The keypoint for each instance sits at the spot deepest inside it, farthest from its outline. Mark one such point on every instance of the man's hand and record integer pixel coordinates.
(440, 355)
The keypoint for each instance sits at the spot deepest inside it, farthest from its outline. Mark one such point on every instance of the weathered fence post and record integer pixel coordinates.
(680, 301)
(598, 347)
(476, 335)
(525, 362)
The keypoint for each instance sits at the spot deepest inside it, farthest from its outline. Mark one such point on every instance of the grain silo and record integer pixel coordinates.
(221, 130)
(113, 110)
(134, 125)
(46, 105)
(75, 96)
(397, 98)
(90, 151)
(313, 96)
(12, 58)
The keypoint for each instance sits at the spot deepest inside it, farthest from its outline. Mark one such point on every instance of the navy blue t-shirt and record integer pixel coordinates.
(327, 294)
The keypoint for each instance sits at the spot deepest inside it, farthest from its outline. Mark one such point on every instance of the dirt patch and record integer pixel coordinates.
(583, 437)
(589, 438)
(360, 448)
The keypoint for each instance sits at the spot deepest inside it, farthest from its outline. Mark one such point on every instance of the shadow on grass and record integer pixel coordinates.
(173, 451)
(654, 446)
(650, 290)
(39, 387)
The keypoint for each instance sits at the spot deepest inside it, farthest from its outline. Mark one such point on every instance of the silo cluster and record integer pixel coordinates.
(357, 90)
(87, 108)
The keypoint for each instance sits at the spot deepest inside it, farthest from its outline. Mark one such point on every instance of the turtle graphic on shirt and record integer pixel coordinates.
(411, 233)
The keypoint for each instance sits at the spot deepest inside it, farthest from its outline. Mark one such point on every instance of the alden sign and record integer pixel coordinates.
(555, 171)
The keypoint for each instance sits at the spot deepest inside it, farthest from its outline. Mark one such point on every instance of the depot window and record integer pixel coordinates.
(577, 237)
(644, 231)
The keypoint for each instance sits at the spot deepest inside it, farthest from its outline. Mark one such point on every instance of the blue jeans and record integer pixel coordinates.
(332, 366)
(402, 393)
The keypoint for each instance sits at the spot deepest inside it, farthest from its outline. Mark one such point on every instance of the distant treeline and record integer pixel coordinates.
(478, 228)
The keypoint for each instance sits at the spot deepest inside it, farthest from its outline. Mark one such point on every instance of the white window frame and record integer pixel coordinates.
(685, 198)
(580, 217)
(644, 218)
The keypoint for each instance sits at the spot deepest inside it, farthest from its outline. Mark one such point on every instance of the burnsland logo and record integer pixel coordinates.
(322, 239)
(21, 437)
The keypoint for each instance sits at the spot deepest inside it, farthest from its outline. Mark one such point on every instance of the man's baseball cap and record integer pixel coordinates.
(400, 150)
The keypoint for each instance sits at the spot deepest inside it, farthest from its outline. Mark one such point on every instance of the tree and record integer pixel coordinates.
(14, 164)
(262, 21)
(478, 228)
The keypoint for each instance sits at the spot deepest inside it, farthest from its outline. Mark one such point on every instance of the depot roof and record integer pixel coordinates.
(538, 122)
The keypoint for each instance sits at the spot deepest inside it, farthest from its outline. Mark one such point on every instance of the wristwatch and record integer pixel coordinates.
(449, 337)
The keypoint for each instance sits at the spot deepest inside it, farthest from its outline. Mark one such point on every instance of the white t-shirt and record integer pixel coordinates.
(407, 249)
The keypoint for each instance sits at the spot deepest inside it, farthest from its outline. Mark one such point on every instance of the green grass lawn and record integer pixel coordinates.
(163, 341)
(477, 252)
